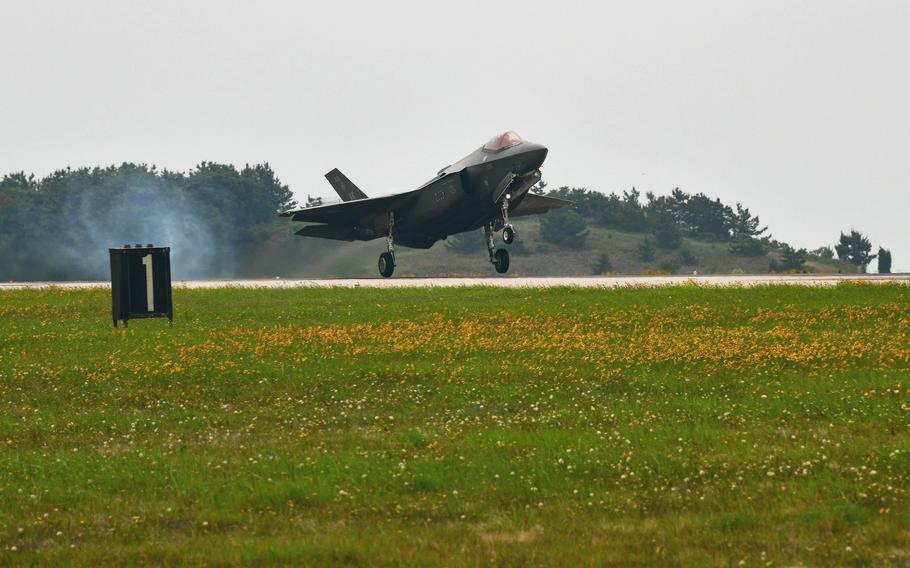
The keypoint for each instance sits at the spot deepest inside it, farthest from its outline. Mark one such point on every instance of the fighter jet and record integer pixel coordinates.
(484, 189)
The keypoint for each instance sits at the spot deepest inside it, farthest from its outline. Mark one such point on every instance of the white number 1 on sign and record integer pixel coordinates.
(149, 282)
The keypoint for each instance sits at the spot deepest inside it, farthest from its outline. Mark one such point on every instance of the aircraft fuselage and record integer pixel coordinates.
(466, 194)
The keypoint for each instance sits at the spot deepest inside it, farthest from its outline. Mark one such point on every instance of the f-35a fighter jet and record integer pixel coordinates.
(483, 189)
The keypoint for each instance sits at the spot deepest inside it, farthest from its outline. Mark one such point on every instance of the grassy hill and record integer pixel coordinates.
(288, 256)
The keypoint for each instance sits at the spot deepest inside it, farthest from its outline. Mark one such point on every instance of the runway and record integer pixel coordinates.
(504, 282)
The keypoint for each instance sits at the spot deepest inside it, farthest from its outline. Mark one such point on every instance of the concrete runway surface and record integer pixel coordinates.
(504, 282)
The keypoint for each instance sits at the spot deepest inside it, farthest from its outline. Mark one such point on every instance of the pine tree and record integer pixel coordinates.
(825, 252)
(667, 233)
(884, 261)
(564, 228)
(793, 259)
(602, 265)
(646, 250)
(855, 248)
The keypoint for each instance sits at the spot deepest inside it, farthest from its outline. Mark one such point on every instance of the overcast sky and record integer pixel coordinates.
(799, 110)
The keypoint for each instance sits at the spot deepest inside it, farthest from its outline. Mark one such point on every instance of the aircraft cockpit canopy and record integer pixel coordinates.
(502, 141)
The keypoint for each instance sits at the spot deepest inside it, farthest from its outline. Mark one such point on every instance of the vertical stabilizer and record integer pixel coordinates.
(344, 187)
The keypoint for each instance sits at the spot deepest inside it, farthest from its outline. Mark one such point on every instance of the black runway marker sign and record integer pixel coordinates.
(141, 283)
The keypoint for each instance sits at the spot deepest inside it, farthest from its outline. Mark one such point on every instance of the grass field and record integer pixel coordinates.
(680, 426)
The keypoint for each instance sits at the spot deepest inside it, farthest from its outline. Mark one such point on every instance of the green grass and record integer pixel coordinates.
(679, 426)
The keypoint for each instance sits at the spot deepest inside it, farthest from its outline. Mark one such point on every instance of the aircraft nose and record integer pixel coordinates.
(531, 159)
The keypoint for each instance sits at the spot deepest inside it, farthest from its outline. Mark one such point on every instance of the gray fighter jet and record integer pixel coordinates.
(483, 189)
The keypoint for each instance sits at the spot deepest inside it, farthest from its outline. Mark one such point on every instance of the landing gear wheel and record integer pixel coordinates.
(387, 264)
(501, 261)
(508, 235)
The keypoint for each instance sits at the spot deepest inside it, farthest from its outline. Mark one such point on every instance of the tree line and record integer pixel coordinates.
(59, 227)
(664, 220)
(215, 216)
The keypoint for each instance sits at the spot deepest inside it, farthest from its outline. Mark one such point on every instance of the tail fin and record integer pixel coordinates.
(343, 186)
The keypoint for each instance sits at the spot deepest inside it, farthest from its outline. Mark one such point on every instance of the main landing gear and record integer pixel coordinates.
(499, 257)
(387, 259)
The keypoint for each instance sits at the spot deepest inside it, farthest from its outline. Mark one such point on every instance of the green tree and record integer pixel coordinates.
(707, 216)
(539, 188)
(586, 202)
(602, 265)
(743, 224)
(792, 259)
(855, 248)
(625, 212)
(696, 215)
(646, 250)
(884, 261)
(564, 228)
(18, 180)
(824, 252)
(747, 246)
(666, 232)
(269, 189)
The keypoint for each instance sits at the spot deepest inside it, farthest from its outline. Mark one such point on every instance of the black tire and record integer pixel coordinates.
(508, 235)
(501, 261)
(386, 264)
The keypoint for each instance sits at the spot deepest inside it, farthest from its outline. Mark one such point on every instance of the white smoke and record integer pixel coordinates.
(142, 214)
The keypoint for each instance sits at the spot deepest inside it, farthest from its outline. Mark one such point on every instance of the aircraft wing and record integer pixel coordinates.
(334, 232)
(533, 204)
(349, 213)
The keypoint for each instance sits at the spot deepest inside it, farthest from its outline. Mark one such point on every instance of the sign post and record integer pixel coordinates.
(141, 283)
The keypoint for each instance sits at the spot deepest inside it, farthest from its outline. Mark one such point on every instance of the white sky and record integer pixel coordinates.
(798, 109)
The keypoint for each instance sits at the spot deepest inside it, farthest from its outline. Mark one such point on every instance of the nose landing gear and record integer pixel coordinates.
(499, 257)
(387, 259)
(508, 231)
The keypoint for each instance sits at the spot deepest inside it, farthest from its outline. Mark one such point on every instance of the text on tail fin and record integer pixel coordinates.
(344, 187)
